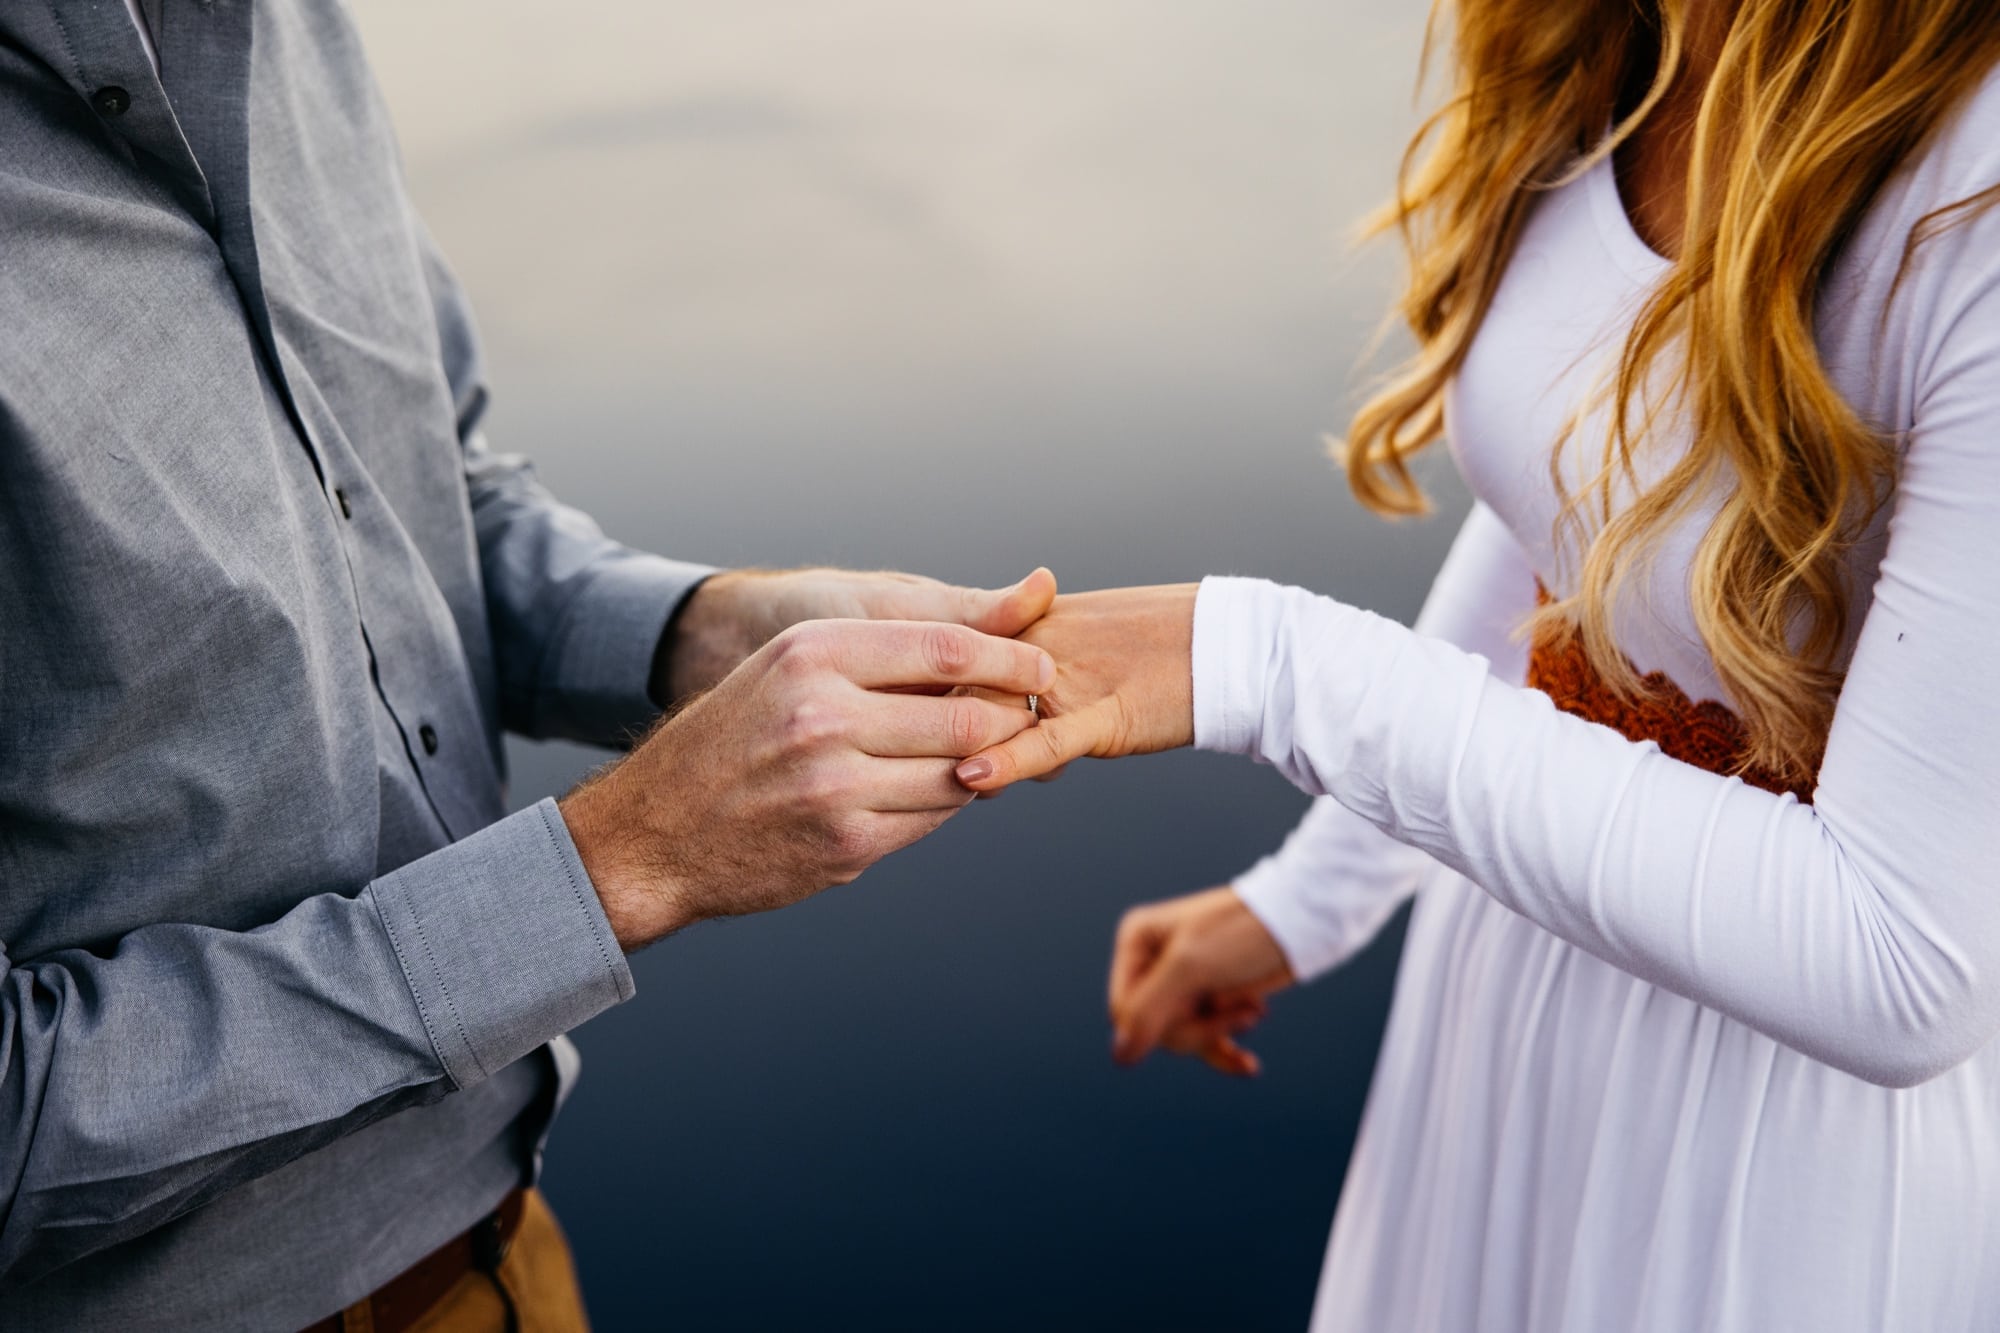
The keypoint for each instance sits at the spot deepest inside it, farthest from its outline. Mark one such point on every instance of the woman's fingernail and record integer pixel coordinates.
(975, 770)
(1047, 675)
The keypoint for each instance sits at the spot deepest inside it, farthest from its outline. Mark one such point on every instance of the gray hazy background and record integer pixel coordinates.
(958, 288)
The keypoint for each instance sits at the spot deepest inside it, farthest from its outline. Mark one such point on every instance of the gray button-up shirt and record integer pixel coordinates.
(281, 974)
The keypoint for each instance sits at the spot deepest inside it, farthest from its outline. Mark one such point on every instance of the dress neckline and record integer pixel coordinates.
(1614, 225)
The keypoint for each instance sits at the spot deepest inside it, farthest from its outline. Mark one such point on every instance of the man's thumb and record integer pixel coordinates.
(1005, 612)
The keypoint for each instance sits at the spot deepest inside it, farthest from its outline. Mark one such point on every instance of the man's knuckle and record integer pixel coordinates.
(948, 650)
(816, 796)
(964, 726)
(850, 842)
(838, 863)
(798, 650)
(811, 723)
(843, 786)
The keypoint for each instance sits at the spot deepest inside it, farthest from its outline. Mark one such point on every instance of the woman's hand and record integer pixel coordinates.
(1191, 974)
(1124, 684)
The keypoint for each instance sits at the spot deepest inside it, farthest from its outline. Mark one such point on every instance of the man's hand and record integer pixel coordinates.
(734, 614)
(1190, 974)
(1124, 684)
(805, 766)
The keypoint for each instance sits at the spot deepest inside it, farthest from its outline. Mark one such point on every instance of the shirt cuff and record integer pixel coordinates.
(502, 941)
(595, 685)
(1272, 896)
(1235, 625)
(1320, 925)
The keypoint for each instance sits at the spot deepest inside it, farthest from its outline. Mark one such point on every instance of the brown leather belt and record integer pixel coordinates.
(403, 1300)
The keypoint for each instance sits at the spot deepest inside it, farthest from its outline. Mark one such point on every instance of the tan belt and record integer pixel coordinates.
(405, 1298)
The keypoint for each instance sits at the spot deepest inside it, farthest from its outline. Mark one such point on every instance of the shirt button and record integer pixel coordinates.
(346, 509)
(428, 735)
(111, 100)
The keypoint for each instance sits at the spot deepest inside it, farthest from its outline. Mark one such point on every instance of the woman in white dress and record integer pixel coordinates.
(1695, 1021)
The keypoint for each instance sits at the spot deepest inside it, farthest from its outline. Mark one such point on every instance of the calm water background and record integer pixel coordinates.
(961, 289)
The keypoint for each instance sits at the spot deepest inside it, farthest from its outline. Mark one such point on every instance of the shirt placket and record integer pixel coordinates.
(188, 120)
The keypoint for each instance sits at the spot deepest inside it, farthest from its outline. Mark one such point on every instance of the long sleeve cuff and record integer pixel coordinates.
(1315, 935)
(1231, 626)
(1242, 629)
(1274, 899)
(502, 941)
(1327, 893)
(595, 681)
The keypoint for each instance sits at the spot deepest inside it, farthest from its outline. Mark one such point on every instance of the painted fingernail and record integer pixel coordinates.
(975, 770)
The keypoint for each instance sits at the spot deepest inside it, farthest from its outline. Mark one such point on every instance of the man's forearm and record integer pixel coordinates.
(723, 621)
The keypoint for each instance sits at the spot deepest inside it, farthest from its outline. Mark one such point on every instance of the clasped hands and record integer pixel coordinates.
(819, 720)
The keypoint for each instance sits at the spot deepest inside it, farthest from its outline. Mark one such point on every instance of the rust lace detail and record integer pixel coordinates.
(1705, 734)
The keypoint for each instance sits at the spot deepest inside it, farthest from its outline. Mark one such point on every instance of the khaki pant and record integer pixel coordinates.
(538, 1275)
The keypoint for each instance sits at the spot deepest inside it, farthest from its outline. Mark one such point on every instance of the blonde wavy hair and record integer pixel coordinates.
(1811, 106)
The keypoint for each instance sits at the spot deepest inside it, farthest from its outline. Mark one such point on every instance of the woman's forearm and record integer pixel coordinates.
(1338, 878)
(1863, 932)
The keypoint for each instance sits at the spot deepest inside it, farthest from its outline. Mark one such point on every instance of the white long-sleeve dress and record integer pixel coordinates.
(1668, 1051)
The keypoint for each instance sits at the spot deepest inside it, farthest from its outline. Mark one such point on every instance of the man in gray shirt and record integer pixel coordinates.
(285, 986)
